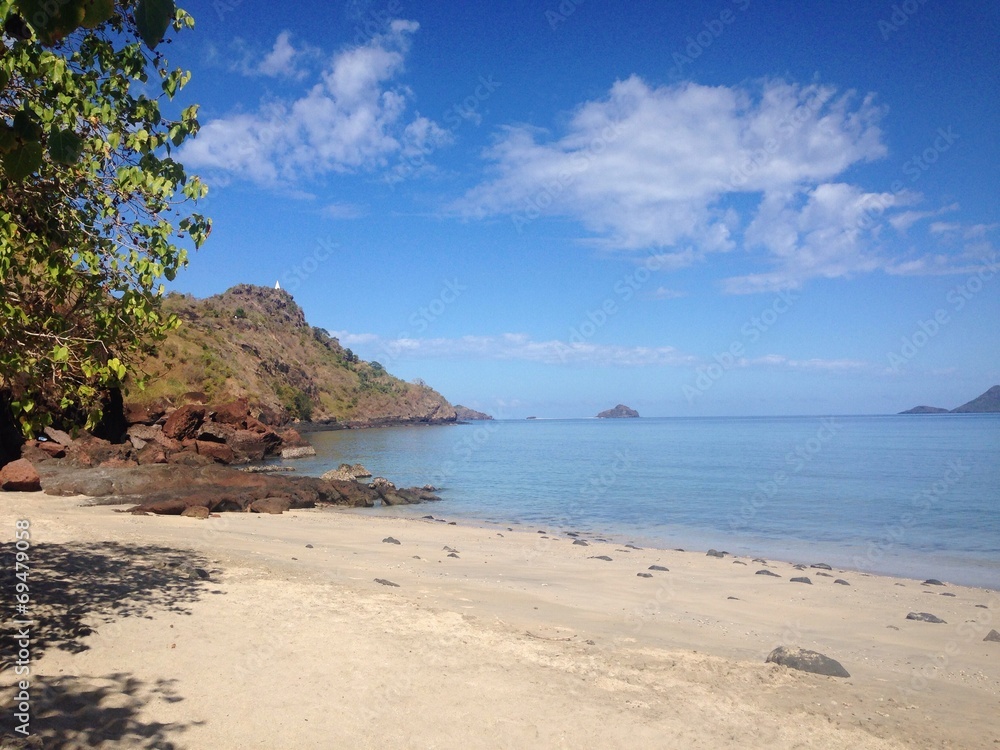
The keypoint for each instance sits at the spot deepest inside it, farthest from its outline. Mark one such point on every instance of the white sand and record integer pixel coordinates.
(520, 642)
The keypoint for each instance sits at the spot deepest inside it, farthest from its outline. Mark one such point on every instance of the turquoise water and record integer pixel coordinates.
(904, 495)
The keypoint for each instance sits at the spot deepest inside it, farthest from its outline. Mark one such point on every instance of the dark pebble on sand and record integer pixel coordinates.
(453, 523)
(821, 566)
(600, 557)
(309, 546)
(658, 567)
(933, 582)
(993, 637)
(386, 582)
(734, 598)
(825, 575)
(452, 554)
(924, 617)
(632, 546)
(982, 606)
(678, 549)
(581, 542)
(767, 573)
(390, 540)
(430, 517)
(946, 593)
(644, 575)
(542, 532)
(760, 560)
(416, 557)
(799, 567)
(715, 553)
(446, 548)
(842, 582)
(738, 562)
(572, 533)
(801, 579)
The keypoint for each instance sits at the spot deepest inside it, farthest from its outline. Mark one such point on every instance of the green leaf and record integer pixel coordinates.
(97, 12)
(65, 146)
(23, 161)
(26, 127)
(8, 138)
(152, 18)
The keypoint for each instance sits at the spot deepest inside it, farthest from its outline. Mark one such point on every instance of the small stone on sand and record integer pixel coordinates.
(644, 575)
(801, 579)
(821, 566)
(946, 593)
(842, 582)
(715, 553)
(933, 582)
(309, 546)
(452, 554)
(767, 573)
(658, 567)
(993, 637)
(386, 582)
(807, 661)
(924, 617)
(599, 557)
(581, 542)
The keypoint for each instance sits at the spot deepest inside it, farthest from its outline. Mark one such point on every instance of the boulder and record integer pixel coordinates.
(196, 511)
(216, 433)
(144, 415)
(291, 438)
(992, 636)
(218, 452)
(253, 445)
(338, 475)
(151, 453)
(47, 448)
(58, 436)
(353, 493)
(233, 413)
(360, 471)
(807, 661)
(20, 476)
(273, 505)
(184, 422)
(381, 484)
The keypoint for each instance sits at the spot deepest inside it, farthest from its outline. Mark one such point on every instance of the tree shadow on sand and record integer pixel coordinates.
(75, 589)
(77, 712)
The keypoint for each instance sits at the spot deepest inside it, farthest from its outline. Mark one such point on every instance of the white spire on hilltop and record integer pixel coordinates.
(277, 285)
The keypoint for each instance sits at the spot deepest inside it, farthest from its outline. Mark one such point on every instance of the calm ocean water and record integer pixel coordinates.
(904, 495)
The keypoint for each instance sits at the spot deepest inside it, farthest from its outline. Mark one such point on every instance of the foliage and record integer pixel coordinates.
(240, 314)
(93, 208)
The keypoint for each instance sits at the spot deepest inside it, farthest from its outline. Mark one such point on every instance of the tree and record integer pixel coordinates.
(94, 211)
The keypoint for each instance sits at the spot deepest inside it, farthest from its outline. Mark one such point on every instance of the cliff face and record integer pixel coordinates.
(253, 342)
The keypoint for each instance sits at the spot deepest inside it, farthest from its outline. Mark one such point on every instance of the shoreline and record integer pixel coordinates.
(780, 550)
(514, 640)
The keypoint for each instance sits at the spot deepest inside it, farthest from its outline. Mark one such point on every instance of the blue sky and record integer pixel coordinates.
(708, 208)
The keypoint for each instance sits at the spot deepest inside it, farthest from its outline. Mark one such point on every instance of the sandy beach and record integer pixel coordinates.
(476, 637)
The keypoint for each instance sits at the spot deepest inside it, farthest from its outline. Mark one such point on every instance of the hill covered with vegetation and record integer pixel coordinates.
(254, 342)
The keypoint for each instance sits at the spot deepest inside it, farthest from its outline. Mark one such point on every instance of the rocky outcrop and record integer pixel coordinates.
(465, 414)
(173, 489)
(619, 412)
(986, 403)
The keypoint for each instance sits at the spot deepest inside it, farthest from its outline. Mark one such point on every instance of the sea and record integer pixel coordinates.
(907, 495)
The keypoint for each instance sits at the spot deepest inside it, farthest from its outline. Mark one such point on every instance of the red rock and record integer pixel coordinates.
(253, 446)
(146, 415)
(91, 451)
(58, 436)
(20, 476)
(184, 422)
(219, 452)
(49, 448)
(196, 511)
(233, 413)
(291, 438)
(152, 453)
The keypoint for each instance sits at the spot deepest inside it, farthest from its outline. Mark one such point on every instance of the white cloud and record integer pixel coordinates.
(664, 293)
(517, 347)
(659, 167)
(353, 119)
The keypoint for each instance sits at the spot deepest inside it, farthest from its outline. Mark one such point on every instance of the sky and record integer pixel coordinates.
(725, 208)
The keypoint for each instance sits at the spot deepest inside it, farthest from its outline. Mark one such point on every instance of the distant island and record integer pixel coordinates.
(465, 414)
(619, 412)
(987, 403)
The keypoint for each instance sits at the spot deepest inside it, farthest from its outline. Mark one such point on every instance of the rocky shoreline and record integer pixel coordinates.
(183, 462)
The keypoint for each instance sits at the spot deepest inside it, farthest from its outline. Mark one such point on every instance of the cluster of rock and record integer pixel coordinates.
(176, 462)
(619, 412)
